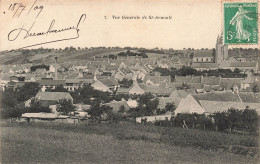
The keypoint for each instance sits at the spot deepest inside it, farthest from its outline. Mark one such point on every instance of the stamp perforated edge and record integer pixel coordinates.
(240, 45)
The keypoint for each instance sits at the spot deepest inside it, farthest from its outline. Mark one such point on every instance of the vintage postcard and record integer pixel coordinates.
(129, 81)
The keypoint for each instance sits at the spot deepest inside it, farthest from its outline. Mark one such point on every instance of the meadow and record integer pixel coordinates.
(124, 142)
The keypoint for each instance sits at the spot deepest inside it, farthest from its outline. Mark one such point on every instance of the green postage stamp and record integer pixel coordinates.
(240, 23)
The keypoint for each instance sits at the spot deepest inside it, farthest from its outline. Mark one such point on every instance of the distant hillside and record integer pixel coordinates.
(21, 57)
(71, 54)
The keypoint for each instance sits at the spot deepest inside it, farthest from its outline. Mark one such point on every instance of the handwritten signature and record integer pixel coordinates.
(26, 33)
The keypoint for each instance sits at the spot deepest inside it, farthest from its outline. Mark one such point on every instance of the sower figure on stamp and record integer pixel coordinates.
(241, 33)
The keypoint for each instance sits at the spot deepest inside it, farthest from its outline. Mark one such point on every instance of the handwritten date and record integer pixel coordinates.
(19, 8)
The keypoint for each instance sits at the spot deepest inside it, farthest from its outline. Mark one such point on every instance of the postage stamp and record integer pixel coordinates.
(240, 23)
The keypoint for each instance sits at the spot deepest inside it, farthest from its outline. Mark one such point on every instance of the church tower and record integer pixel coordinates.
(221, 53)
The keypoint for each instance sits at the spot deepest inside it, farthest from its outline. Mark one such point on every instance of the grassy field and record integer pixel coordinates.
(113, 143)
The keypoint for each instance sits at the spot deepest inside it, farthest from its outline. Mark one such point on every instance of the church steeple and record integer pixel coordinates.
(221, 50)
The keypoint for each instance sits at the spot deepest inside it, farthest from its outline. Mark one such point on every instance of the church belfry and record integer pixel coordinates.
(221, 50)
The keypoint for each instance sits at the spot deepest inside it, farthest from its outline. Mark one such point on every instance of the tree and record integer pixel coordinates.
(35, 107)
(121, 109)
(147, 105)
(98, 111)
(8, 99)
(170, 107)
(33, 68)
(250, 119)
(65, 106)
(11, 112)
(236, 70)
(183, 71)
(27, 91)
(234, 117)
(126, 83)
(221, 120)
(255, 88)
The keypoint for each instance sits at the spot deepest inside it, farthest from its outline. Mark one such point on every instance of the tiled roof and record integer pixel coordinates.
(177, 95)
(250, 97)
(163, 101)
(160, 90)
(187, 79)
(158, 79)
(123, 90)
(5, 77)
(243, 64)
(116, 105)
(205, 65)
(203, 53)
(55, 96)
(112, 67)
(226, 96)
(51, 82)
(228, 83)
(40, 115)
(220, 106)
(211, 80)
(109, 81)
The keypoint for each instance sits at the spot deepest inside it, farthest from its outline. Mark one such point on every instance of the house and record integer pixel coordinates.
(52, 68)
(189, 105)
(73, 84)
(118, 105)
(154, 118)
(156, 80)
(212, 102)
(123, 73)
(163, 101)
(205, 66)
(187, 79)
(217, 106)
(81, 110)
(105, 85)
(210, 83)
(136, 67)
(230, 83)
(163, 64)
(243, 66)
(203, 56)
(52, 84)
(48, 117)
(14, 78)
(40, 71)
(4, 79)
(136, 90)
(140, 75)
(177, 95)
(112, 68)
(163, 89)
(31, 77)
(132, 103)
(51, 98)
(193, 82)
(39, 117)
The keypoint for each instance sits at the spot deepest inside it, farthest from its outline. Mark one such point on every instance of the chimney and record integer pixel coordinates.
(56, 68)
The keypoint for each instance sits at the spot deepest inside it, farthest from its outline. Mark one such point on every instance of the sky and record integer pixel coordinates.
(194, 24)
